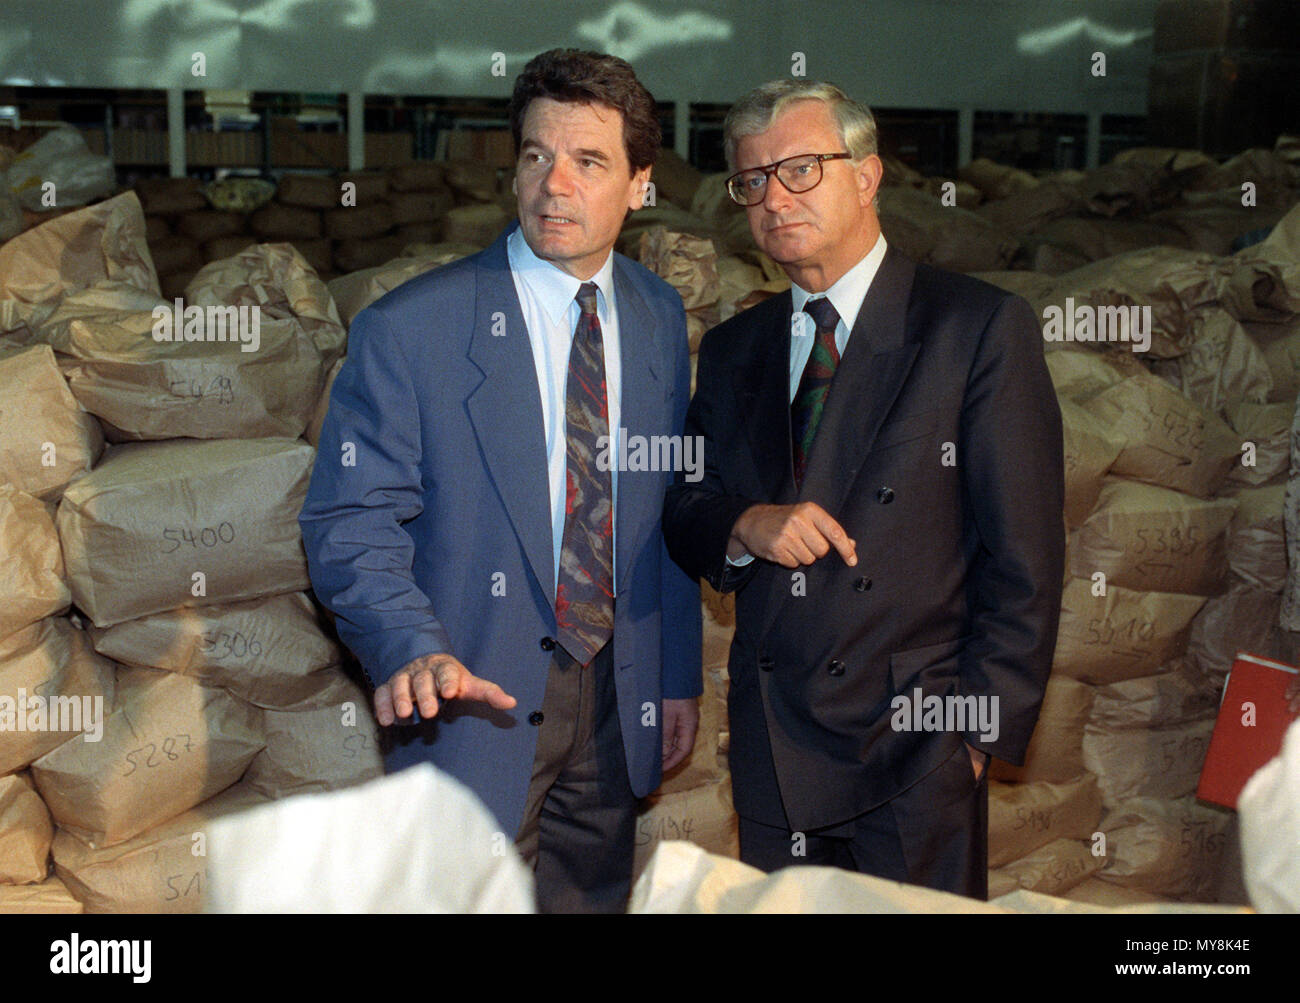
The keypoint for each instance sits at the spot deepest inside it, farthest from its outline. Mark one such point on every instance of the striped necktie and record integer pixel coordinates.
(815, 383)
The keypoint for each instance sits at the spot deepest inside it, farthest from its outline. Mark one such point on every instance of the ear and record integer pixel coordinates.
(636, 189)
(514, 184)
(869, 175)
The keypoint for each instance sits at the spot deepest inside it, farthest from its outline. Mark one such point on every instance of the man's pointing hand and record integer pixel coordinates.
(790, 535)
(422, 681)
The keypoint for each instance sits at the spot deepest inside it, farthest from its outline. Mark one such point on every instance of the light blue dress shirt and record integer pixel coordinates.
(547, 298)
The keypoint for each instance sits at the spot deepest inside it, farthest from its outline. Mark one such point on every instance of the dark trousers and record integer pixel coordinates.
(933, 834)
(580, 815)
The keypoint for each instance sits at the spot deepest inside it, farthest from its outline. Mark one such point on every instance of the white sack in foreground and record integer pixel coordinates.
(414, 842)
(1269, 808)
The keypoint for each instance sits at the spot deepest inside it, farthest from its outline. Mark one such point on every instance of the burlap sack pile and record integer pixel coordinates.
(690, 265)
(183, 554)
(337, 229)
(1144, 198)
(1175, 558)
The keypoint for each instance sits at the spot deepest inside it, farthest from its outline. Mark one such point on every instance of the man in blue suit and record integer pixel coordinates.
(467, 521)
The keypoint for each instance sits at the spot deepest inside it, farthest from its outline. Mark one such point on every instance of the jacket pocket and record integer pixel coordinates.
(927, 666)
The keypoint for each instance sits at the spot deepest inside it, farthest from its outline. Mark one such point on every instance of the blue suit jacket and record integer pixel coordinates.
(427, 522)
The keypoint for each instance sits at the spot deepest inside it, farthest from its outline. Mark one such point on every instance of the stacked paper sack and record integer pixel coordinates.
(198, 677)
(206, 463)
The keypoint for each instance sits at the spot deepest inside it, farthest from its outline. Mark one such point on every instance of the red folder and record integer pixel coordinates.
(1238, 749)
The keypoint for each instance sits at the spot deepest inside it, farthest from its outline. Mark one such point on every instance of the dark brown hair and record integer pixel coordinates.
(572, 75)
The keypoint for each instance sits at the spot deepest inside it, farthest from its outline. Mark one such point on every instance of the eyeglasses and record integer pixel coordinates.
(798, 174)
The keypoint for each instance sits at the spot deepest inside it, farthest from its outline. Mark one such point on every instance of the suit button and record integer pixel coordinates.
(885, 495)
(536, 717)
(548, 644)
(766, 664)
(836, 667)
(862, 584)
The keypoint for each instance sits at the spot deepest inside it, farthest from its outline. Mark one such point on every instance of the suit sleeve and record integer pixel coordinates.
(364, 485)
(698, 515)
(683, 676)
(1012, 464)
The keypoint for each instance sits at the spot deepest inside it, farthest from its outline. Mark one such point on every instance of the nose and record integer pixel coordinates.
(776, 197)
(558, 180)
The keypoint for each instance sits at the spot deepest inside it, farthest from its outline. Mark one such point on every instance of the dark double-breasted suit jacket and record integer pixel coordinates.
(940, 453)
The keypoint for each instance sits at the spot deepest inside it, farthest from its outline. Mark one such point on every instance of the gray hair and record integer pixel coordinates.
(755, 112)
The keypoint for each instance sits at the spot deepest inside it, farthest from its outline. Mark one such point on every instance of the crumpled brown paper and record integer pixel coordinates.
(1054, 754)
(1090, 449)
(1121, 635)
(1154, 540)
(1025, 817)
(138, 528)
(1171, 281)
(1256, 540)
(169, 744)
(162, 870)
(322, 749)
(277, 279)
(1167, 847)
(270, 652)
(1179, 693)
(51, 659)
(357, 290)
(1158, 762)
(46, 437)
(101, 242)
(31, 563)
(704, 815)
(25, 832)
(1051, 869)
(1168, 440)
(687, 263)
(261, 381)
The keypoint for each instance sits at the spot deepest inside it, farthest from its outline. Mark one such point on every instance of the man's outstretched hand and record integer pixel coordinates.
(422, 681)
(790, 535)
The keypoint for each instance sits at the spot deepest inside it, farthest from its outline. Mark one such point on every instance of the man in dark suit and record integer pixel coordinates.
(883, 486)
(467, 522)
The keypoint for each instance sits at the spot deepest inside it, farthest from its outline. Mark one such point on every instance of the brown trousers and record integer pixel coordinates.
(580, 814)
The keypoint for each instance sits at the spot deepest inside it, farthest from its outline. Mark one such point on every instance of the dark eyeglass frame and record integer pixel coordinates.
(771, 169)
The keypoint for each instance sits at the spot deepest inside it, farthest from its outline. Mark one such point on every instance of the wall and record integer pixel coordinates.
(1011, 56)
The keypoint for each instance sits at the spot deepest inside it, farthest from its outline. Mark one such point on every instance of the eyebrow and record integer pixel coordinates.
(589, 153)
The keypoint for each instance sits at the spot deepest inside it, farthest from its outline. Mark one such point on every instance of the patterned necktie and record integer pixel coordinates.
(815, 384)
(584, 595)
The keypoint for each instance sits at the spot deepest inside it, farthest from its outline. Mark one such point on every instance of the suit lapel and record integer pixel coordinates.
(875, 365)
(641, 408)
(762, 389)
(506, 412)
(867, 381)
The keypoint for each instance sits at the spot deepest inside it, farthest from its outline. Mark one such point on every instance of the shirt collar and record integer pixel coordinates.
(850, 289)
(554, 288)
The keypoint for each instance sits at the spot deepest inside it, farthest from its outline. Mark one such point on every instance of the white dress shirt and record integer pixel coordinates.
(547, 298)
(846, 295)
